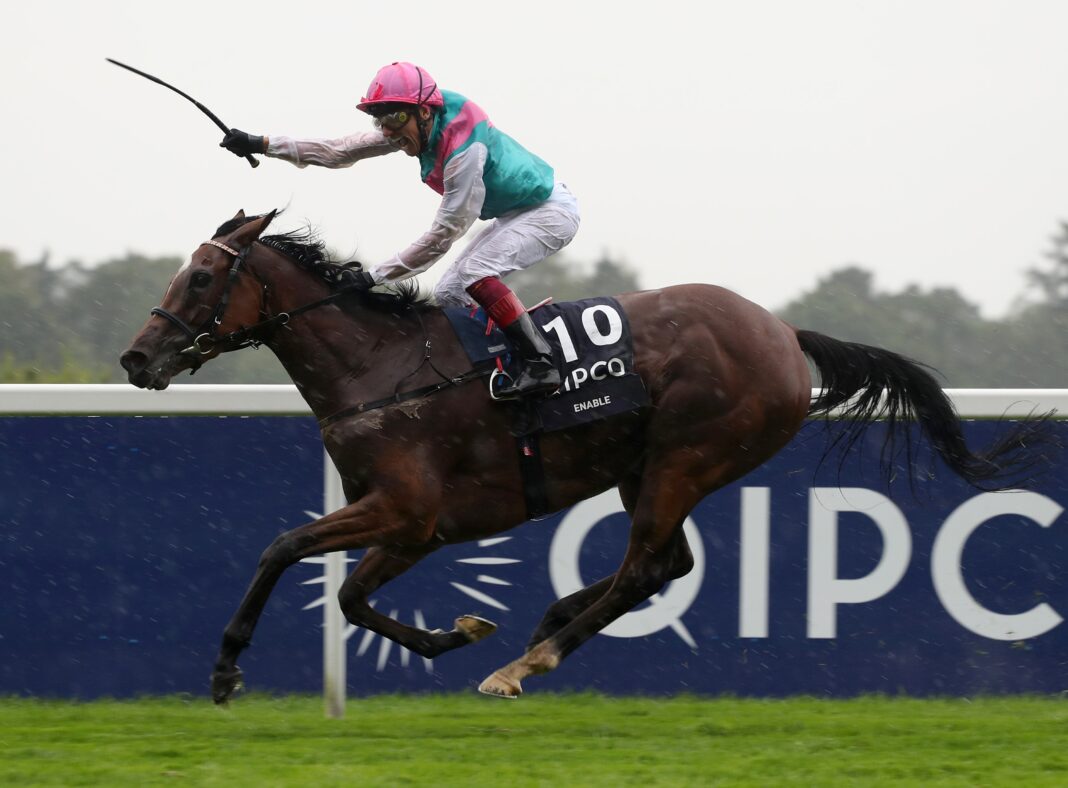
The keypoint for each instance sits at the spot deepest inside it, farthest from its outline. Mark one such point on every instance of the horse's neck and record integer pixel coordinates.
(338, 356)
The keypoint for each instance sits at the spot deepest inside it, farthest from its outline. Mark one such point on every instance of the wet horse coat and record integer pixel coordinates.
(728, 382)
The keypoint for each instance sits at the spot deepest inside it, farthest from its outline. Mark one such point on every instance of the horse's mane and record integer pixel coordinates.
(307, 250)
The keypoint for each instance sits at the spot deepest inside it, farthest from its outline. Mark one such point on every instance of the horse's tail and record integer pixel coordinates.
(867, 383)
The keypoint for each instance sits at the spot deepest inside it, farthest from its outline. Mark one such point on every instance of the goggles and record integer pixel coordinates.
(394, 121)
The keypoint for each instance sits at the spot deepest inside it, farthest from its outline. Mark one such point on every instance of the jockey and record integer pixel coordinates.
(481, 173)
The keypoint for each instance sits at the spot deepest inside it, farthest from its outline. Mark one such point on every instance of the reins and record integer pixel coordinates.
(403, 396)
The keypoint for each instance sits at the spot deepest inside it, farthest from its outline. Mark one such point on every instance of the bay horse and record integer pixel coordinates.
(728, 383)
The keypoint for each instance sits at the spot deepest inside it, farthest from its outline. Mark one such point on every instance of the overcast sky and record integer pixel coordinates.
(757, 144)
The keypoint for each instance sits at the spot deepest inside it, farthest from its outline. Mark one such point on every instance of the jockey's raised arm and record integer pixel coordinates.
(333, 153)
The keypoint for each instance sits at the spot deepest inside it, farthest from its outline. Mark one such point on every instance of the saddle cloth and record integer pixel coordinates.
(592, 347)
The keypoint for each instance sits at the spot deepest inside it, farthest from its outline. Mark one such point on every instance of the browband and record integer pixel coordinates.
(224, 247)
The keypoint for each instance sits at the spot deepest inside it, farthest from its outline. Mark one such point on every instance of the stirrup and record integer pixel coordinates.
(493, 388)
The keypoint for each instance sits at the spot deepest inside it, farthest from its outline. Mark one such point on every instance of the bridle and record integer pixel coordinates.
(205, 341)
(204, 338)
(205, 333)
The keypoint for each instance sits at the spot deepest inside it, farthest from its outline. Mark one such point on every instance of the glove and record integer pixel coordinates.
(242, 144)
(362, 280)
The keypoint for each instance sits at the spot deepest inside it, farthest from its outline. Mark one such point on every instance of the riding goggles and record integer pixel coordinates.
(394, 121)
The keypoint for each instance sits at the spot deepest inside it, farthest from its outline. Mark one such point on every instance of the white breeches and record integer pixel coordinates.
(511, 242)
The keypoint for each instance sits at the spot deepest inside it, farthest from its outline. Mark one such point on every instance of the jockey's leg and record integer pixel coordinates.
(509, 243)
(513, 242)
(539, 375)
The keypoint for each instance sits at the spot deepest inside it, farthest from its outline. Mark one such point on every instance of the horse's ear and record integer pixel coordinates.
(239, 215)
(250, 231)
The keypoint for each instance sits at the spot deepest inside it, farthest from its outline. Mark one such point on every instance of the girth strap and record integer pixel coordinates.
(535, 493)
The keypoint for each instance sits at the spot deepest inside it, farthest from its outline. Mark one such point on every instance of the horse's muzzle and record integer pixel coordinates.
(136, 365)
(134, 362)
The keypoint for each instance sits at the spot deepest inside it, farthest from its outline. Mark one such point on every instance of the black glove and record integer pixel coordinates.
(242, 144)
(362, 280)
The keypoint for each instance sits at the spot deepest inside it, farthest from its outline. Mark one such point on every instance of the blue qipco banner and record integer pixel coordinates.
(128, 542)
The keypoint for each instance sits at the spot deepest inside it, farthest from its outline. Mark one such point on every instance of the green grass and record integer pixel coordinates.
(551, 740)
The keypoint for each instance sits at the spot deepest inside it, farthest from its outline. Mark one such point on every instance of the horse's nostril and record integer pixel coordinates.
(133, 361)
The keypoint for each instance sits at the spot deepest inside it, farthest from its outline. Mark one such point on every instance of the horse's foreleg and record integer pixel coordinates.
(365, 523)
(379, 565)
(226, 676)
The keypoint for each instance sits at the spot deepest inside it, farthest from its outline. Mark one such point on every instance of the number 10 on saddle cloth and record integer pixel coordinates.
(591, 342)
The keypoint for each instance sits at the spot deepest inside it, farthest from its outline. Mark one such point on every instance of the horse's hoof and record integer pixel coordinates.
(499, 686)
(225, 683)
(475, 628)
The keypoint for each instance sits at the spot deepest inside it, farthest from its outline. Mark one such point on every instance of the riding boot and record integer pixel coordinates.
(539, 375)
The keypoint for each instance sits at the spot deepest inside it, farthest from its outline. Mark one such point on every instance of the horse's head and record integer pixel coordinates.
(208, 299)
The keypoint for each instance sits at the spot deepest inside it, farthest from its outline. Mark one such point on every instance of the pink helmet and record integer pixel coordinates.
(401, 83)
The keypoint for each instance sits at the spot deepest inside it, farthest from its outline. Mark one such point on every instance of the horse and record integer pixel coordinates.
(426, 458)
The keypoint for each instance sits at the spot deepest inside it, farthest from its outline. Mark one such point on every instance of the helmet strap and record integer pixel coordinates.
(423, 125)
(420, 121)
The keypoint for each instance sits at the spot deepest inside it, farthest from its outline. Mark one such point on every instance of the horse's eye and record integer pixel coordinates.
(200, 279)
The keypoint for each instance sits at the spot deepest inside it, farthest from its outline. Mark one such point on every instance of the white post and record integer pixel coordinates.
(334, 688)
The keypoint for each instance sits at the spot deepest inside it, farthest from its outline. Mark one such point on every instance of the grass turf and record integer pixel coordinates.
(552, 740)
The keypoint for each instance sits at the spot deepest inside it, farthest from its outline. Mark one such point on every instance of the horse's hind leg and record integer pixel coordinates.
(378, 566)
(562, 611)
(656, 544)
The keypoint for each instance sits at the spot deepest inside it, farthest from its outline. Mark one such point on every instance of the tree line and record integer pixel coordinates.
(70, 323)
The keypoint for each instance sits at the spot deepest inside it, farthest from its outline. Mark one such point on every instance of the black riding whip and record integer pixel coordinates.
(252, 162)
